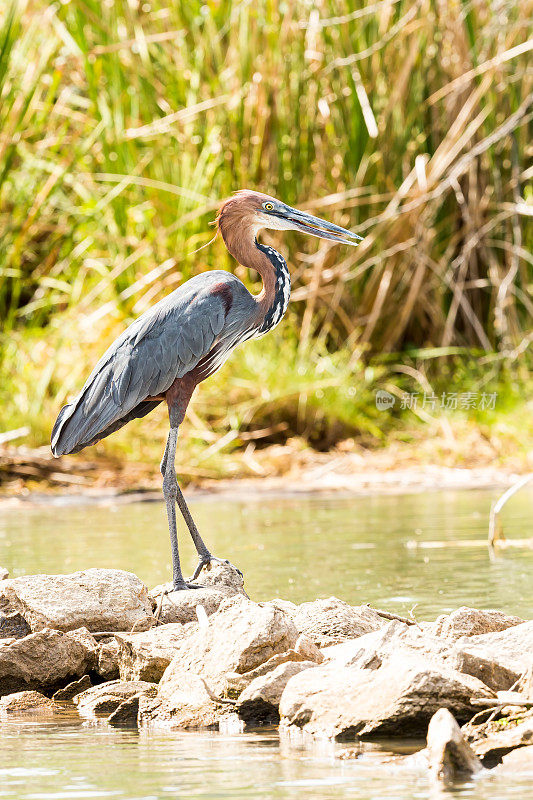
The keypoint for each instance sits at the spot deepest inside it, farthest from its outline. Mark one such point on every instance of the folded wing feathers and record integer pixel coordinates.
(143, 362)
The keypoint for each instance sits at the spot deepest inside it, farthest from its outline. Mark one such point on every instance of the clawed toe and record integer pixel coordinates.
(208, 562)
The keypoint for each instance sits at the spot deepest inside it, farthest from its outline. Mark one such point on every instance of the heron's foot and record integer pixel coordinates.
(208, 560)
(180, 586)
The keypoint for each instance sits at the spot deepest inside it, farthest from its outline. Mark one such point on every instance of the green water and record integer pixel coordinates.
(361, 549)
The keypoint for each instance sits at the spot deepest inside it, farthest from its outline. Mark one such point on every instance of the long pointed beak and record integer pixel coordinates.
(315, 226)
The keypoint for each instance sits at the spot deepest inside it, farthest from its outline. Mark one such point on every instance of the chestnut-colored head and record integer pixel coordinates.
(244, 214)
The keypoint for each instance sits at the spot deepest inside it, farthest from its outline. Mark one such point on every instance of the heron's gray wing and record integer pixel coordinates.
(163, 344)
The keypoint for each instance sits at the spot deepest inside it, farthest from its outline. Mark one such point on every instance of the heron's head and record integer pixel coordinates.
(256, 210)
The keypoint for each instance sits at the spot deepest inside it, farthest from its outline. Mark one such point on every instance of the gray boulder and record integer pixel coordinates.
(44, 659)
(395, 699)
(258, 703)
(466, 621)
(327, 622)
(240, 636)
(98, 599)
(220, 581)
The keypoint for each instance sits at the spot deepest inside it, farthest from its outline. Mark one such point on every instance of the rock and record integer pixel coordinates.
(239, 637)
(493, 739)
(284, 605)
(450, 758)
(328, 622)
(258, 703)
(102, 700)
(182, 702)
(13, 625)
(28, 702)
(472, 622)
(511, 649)
(373, 649)
(72, 689)
(126, 714)
(145, 656)
(517, 760)
(98, 599)
(308, 650)
(4, 574)
(180, 607)
(236, 682)
(395, 699)
(109, 650)
(494, 674)
(45, 659)
(525, 684)
(220, 581)
(222, 575)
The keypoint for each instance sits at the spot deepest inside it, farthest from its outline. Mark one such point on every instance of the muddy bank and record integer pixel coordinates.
(464, 459)
(99, 642)
(323, 481)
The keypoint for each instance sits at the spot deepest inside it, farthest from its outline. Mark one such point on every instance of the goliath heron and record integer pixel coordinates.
(186, 337)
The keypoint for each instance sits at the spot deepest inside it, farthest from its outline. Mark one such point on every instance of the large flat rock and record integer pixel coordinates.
(476, 656)
(98, 599)
(396, 699)
(46, 658)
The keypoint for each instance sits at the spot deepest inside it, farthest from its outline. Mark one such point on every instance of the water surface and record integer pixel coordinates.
(362, 549)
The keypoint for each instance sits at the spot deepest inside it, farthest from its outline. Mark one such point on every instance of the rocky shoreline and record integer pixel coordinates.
(99, 643)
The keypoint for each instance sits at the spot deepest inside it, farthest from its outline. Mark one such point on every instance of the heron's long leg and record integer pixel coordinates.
(201, 548)
(170, 493)
(173, 494)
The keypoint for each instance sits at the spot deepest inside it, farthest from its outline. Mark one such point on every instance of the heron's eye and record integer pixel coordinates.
(268, 206)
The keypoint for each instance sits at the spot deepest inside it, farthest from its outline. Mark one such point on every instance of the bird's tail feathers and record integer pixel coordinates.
(58, 443)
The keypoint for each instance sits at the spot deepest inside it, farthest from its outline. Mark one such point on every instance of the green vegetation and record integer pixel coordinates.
(123, 123)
